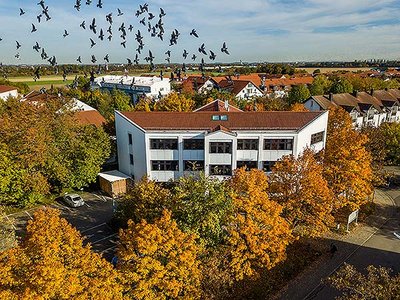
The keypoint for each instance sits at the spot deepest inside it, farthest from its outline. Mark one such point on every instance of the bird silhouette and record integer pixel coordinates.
(78, 5)
(101, 36)
(202, 49)
(224, 49)
(65, 33)
(212, 55)
(33, 28)
(93, 26)
(120, 13)
(92, 43)
(93, 60)
(100, 4)
(107, 58)
(83, 25)
(194, 33)
(79, 59)
(21, 12)
(18, 45)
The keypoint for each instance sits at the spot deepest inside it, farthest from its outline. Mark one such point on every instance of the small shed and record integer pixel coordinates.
(114, 183)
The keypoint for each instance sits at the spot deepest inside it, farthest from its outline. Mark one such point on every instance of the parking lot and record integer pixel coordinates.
(91, 220)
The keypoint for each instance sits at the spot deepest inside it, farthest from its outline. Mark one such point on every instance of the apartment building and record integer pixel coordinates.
(167, 145)
(136, 87)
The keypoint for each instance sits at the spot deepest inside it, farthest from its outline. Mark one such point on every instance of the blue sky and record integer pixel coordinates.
(255, 30)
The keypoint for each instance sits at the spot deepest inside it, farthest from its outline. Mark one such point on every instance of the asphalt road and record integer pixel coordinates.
(91, 220)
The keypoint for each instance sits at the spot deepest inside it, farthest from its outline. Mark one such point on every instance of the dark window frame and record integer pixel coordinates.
(193, 165)
(193, 144)
(278, 144)
(221, 147)
(249, 164)
(317, 137)
(267, 165)
(130, 139)
(164, 144)
(247, 144)
(221, 170)
(131, 161)
(164, 165)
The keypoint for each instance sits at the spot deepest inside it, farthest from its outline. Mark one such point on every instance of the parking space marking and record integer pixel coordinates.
(61, 207)
(105, 238)
(28, 214)
(94, 227)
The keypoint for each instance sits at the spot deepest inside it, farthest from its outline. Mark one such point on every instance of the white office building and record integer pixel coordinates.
(136, 87)
(167, 145)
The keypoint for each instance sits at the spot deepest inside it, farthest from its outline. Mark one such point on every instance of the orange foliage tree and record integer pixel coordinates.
(159, 261)
(298, 185)
(175, 102)
(52, 263)
(347, 162)
(258, 234)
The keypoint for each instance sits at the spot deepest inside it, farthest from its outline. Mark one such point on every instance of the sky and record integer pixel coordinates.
(254, 30)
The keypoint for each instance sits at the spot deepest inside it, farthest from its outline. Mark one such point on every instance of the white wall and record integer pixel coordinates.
(4, 96)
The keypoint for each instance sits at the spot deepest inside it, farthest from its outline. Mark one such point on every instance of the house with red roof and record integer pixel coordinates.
(8, 91)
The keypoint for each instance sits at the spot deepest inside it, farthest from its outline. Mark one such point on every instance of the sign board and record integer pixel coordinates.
(352, 217)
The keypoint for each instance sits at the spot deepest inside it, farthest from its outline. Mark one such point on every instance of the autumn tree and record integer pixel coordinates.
(159, 261)
(52, 263)
(298, 107)
(145, 199)
(258, 235)
(202, 206)
(347, 163)
(378, 283)
(175, 102)
(298, 185)
(299, 94)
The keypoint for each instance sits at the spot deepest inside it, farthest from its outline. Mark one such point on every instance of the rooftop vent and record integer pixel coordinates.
(220, 118)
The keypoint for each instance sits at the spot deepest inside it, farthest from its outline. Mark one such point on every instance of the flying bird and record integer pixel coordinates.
(123, 44)
(212, 55)
(136, 60)
(106, 58)
(39, 18)
(21, 12)
(92, 43)
(185, 54)
(224, 49)
(109, 18)
(194, 33)
(100, 4)
(83, 25)
(77, 5)
(79, 59)
(202, 49)
(93, 60)
(120, 13)
(18, 45)
(101, 36)
(93, 26)
(36, 47)
(162, 13)
(65, 33)
(41, 3)
(33, 28)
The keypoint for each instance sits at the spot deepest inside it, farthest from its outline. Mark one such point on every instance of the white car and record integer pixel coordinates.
(73, 200)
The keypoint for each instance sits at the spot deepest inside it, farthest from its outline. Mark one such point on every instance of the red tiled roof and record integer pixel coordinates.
(6, 88)
(90, 117)
(234, 86)
(267, 120)
(218, 105)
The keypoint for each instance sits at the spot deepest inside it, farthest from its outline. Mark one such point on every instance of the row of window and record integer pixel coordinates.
(219, 147)
(173, 165)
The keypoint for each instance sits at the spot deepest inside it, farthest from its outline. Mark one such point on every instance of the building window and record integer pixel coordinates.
(193, 144)
(220, 147)
(221, 170)
(131, 159)
(247, 144)
(317, 137)
(164, 165)
(164, 144)
(219, 118)
(278, 144)
(267, 165)
(194, 165)
(248, 164)
(130, 138)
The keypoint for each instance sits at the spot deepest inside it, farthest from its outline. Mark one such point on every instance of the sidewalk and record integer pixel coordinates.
(308, 283)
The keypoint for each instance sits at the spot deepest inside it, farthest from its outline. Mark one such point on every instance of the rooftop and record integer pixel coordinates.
(129, 80)
(218, 105)
(7, 88)
(281, 120)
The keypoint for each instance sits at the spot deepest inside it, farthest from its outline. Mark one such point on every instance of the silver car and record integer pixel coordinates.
(73, 200)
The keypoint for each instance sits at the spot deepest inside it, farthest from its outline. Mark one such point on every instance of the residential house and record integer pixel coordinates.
(136, 87)
(167, 145)
(218, 105)
(241, 89)
(8, 91)
(202, 84)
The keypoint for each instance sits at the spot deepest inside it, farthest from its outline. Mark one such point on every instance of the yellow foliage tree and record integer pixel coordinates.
(258, 234)
(52, 263)
(175, 102)
(298, 107)
(347, 162)
(159, 261)
(298, 185)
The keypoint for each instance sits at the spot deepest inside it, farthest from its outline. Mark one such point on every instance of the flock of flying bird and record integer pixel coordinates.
(154, 28)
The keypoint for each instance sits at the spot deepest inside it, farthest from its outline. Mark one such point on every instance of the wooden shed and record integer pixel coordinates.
(114, 183)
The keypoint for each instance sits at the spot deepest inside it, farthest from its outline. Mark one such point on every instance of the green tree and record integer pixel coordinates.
(341, 85)
(320, 86)
(390, 135)
(202, 206)
(298, 94)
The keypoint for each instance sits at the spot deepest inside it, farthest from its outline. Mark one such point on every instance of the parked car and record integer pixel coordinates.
(73, 200)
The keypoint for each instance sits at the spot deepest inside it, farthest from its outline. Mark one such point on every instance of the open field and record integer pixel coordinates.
(328, 70)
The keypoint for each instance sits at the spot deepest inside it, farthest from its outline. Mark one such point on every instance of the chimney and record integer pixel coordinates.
(330, 96)
(355, 93)
(226, 106)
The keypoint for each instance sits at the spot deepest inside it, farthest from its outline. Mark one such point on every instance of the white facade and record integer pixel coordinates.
(250, 91)
(10, 93)
(137, 156)
(152, 87)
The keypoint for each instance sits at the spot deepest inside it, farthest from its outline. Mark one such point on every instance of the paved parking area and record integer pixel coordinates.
(91, 220)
